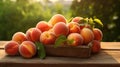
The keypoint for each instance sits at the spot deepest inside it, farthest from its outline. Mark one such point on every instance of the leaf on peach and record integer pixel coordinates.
(70, 41)
(60, 40)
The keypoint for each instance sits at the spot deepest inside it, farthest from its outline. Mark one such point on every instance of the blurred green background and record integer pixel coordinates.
(20, 15)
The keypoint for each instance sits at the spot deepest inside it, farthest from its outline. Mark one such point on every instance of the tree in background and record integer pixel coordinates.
(108, 11)
(20, 15)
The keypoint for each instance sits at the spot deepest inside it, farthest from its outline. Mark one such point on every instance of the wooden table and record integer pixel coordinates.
(109, 56)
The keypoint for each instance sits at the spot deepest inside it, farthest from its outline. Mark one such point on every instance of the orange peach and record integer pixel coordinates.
(33, 34)
(11, 48)
(60, 29)
(27, 49)
(74, 27)
(77, 19)
(57, 18)
(96, 46)
(75, 39)
(47, 38)
(19, 37)
(43, 26)
(87, 35)
(98, 34)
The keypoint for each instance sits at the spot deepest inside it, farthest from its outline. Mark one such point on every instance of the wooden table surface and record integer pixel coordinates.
(108, 56)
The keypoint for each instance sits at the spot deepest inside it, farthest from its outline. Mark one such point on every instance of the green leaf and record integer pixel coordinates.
(98, 21)
(86, 20)
(70, 20)
(91, 21)
(61, 39)
(92, 24)
(70, 41)
(41, 50)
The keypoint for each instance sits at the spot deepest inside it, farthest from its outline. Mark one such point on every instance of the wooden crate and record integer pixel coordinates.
(67, 51)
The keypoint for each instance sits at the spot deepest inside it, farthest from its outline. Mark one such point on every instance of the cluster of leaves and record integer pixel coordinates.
(107, 11)
(92, 21)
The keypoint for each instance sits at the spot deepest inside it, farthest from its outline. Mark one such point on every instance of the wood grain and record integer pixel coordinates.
(104, 45)
(108, 56)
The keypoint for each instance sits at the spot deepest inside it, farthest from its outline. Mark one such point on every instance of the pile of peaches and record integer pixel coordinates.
(76, 32)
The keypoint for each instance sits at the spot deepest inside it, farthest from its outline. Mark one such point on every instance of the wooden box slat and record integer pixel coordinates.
(65, 51)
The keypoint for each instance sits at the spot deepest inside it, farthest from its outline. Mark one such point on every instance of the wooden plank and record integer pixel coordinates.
(109, 56)
(110, 45)
(2, 44)
(104, 45)
(57, 65)
(104, 58)
(67, 51)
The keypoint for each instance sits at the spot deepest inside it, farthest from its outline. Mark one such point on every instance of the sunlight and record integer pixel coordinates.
(54, 1)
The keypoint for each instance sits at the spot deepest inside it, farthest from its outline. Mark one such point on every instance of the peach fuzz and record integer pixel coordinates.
(27, 49)
(33, 34)
(47, 38)
(96, 46)
(19, 37)
(43, 26)
(87, 35)
(60, 29)
(77, 19)
(77, 39)
(11, 48)
(73, 27)
(57, 18)
(98, 34)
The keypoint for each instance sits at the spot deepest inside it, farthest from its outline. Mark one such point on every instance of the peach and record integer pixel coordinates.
(27, 49)
(74, 27)
(96, 46)
(77, 39)
(11, 48)
(87, 35)
(19, 37)
(88, 26)
(47, 38)
(57, 18)
(43, 26)
(33, 34)
(60, 29)
(98, 34)
(77, 19)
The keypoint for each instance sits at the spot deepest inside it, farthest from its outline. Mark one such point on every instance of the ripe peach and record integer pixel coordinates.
(74, 27)
(96, 46)
(43, 26)
(57, 18)
(60, 29)
(27, 49)
(47, 38)
(98, 34)
(77, 19)
(11, 48)
(19, 37)
(33, 34)
(75, 39)
(87, 35)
